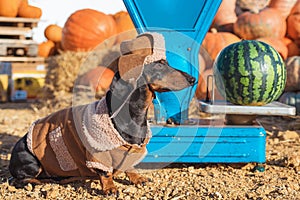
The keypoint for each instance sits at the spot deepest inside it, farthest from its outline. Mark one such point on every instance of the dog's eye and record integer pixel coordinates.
(158, 76)
(158, 66)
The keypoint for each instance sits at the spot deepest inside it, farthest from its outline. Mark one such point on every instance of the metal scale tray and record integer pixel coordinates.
(222, 107)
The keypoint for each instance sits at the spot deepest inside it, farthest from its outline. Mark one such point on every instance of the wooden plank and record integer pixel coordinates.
(19, 19)
(21, 59)
(4, 30)
(18, 49)
(29, 68)
(16, 41)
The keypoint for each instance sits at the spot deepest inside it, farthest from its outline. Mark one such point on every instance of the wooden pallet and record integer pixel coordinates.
(17, 27)
(14, 47)
(21, 59)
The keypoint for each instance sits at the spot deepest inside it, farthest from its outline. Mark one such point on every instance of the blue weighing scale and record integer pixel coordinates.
(184, 24)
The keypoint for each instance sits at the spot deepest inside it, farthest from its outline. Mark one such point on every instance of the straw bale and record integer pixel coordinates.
(67, 66)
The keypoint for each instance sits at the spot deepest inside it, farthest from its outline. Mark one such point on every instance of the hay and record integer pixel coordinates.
(64, 69)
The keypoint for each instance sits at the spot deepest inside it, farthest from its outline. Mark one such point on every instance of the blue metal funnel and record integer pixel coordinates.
(183, 23)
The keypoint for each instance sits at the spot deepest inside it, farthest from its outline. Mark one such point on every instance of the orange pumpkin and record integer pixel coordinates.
(53, 32)
(293, 48)
(265, 23)
(9, 8)
(98, 78)
(284, 6)
(277, 44)
(125, 27)
(87, 28)
(29, 11)
(45, 49)
(215, 41)
(205, 61)
(225, 16)
(250, 5)
(293, 74)
(201, 91)
(293, 23)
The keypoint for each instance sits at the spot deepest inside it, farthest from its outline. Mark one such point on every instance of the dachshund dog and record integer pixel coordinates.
(68, 143)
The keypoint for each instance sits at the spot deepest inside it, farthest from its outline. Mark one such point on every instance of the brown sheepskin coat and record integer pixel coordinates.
(73, 141)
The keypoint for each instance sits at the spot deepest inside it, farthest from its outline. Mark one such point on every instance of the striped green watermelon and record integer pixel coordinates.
(250, 72)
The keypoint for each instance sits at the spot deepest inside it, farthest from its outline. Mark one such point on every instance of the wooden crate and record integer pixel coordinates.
(14, 47)
(16, 37)
(17, 27)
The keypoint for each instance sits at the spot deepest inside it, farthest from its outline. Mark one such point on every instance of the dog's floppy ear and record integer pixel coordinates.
(131, 67)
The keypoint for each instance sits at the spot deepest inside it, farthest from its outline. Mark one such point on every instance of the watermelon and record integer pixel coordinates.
(250, 73)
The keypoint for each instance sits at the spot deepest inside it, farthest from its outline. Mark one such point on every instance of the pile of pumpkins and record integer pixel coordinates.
(83, 31)
(275, 22)
(19, 8)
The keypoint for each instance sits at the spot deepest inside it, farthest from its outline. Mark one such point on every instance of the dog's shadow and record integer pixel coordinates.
(89, 186)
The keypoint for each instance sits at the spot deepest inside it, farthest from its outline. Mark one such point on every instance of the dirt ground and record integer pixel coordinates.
(280, 180)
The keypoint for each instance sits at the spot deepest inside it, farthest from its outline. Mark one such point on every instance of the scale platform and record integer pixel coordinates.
(214, 140)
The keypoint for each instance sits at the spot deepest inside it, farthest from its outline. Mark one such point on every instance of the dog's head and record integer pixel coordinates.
(161, 77)
(145, 57)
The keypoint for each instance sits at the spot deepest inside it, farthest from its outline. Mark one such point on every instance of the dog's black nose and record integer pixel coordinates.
(191, 80)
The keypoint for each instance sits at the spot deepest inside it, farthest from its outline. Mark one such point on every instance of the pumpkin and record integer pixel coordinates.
(205, 69)
(277, 44)
(250, 73)
(29, 11)
(250, 5)
(53, 32)
(45, 49)
(225, 16)
(293, 23)
(98, 78)
(205, 61)
(292, 99)
(293, 48)
(203, 87)
(293, 74)
(265, 23)
(284, 6)
(125, 27)
(215, 41)
(9, 8)
(87, 28)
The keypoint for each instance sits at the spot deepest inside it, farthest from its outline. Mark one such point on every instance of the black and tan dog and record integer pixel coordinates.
(100, 139)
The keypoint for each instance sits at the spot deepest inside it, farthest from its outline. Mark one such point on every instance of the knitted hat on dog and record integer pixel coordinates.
(145, 49)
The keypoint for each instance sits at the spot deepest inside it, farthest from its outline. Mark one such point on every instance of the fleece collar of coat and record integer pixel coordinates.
(98, 132)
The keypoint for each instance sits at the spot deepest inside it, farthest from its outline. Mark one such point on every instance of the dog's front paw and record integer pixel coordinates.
(108, 186)
(136, 179)
(110, 190)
